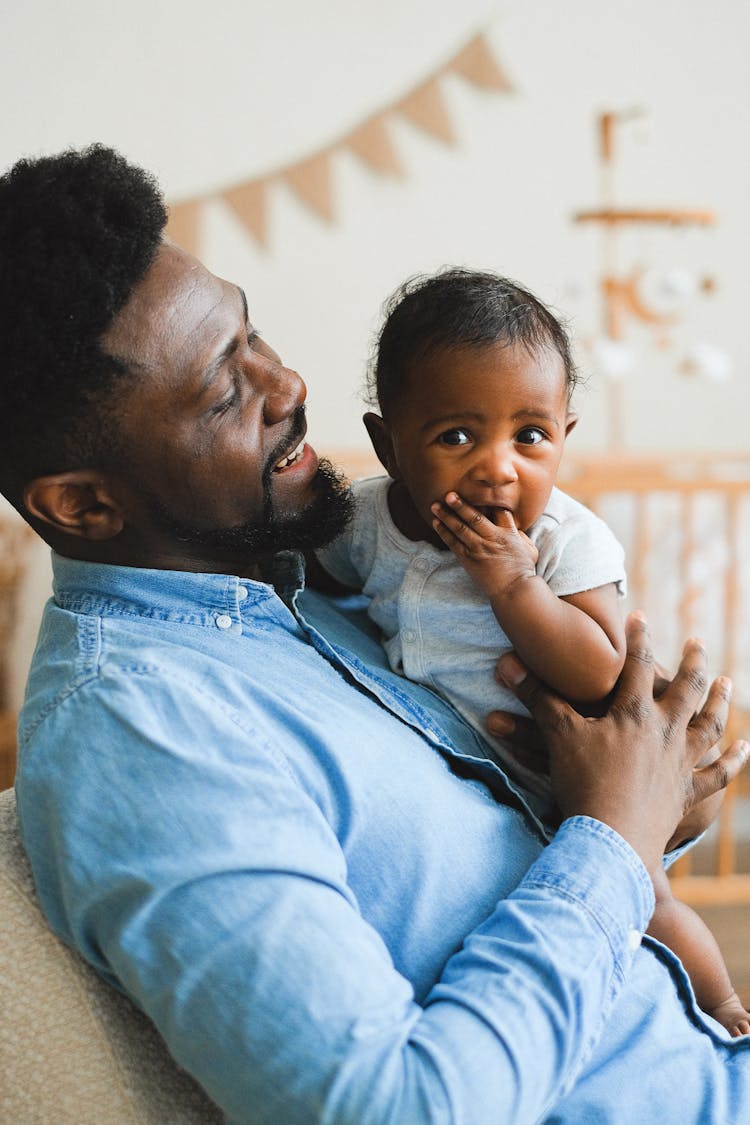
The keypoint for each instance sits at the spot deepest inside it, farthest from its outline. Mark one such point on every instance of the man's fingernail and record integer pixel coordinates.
(511, 671)
(500, 725)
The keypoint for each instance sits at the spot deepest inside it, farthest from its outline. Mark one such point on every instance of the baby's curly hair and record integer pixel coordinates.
(458, 308)
(77, 232)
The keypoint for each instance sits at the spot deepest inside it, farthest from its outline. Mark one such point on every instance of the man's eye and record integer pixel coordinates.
(454, 437)
(530, 435)
(225, 404)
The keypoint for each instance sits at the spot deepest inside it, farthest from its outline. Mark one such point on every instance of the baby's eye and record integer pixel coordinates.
(530, 435)
(454, 437)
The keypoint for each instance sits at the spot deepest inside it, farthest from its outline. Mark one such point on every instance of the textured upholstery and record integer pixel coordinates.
(72, 1050)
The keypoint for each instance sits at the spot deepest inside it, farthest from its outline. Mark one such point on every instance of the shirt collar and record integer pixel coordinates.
(179, 592)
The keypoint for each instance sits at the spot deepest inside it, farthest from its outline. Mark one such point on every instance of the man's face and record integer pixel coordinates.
(214, 469)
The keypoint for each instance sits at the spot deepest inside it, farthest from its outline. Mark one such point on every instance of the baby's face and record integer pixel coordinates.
(489, 423)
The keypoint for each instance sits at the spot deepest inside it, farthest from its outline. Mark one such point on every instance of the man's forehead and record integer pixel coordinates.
(171, 304)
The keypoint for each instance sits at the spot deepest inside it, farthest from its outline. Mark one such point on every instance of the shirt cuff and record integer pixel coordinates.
(591, 863)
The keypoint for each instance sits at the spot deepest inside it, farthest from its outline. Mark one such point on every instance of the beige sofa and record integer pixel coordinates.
(72, 1050)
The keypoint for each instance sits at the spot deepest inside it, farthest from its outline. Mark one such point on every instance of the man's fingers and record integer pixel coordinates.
(662, 679)
(716, 776)
(687, 689)
(637, 676)
(521, 735)
(547, 708)
(710, 722)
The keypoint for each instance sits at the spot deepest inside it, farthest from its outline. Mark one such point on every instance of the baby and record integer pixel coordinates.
(467, 549)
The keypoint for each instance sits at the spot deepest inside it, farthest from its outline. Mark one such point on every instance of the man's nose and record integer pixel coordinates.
(284, 392)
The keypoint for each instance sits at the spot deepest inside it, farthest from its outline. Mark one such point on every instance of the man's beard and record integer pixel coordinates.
(315, 526)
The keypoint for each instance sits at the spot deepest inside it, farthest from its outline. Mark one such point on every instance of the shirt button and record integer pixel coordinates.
(410, 636)
(634, 939)
(241, 593)
(223, 621)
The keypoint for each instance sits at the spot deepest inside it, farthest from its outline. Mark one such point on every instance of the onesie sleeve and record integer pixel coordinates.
(349, 558)
(577, 550)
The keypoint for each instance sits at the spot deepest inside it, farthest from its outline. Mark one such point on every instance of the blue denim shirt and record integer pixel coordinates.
(271, 843)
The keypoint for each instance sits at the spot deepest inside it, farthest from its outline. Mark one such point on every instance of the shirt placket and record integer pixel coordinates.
(410, 605)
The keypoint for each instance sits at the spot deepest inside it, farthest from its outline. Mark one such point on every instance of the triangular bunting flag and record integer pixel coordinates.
(425, 107)
(248, 201)
(478, 65)
(183, 225)
(372, 144)
(311, 181)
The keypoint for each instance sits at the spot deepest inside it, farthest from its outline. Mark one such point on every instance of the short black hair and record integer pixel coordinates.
(77, 232)
(458, 308)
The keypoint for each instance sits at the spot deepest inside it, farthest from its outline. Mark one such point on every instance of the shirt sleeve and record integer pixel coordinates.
(213, 890)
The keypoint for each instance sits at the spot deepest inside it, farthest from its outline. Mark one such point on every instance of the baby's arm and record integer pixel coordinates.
(686, 934)
(575, 644)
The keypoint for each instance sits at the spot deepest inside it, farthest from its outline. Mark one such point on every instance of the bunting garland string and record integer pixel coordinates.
(311, 179)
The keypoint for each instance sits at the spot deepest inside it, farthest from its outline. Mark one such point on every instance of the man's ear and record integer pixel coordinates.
(570, 422)
(380, 437)
(77, 503)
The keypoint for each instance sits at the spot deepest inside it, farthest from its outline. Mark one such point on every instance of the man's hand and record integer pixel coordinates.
(495, 555)
(636, 767)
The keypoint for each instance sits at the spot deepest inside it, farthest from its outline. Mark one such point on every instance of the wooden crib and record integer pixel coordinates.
(685, 525)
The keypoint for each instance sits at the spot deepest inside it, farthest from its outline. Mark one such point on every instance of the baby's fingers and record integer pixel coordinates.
(475, 519)
(468, 527)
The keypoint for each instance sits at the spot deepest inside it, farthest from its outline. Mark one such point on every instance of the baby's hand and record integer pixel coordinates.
(495, 555)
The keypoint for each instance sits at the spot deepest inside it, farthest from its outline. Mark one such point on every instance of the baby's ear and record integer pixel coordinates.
(570, 422)
(381, 442)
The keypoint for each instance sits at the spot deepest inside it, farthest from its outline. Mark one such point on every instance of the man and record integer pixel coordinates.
(304, 869)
